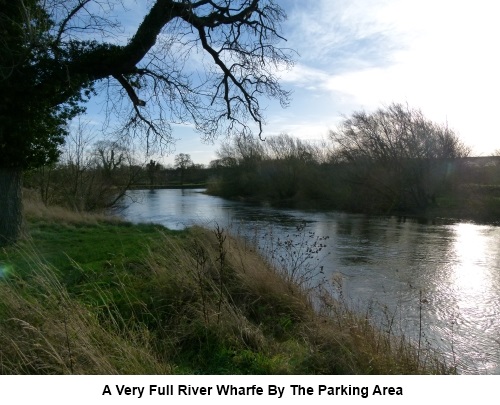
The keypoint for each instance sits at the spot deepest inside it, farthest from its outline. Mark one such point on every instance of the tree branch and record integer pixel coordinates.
(130, 91)
(241, 47)
(67, 19)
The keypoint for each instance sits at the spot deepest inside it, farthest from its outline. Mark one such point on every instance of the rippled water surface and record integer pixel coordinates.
(436, 282)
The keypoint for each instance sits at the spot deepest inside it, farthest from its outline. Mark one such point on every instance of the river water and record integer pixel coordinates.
(435, 282)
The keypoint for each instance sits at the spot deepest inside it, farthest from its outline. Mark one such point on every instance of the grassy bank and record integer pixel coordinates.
(89, 295)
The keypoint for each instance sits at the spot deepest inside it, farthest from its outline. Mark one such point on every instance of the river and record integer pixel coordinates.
(437, 282)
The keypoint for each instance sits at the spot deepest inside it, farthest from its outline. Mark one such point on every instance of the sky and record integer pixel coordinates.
(439, 56)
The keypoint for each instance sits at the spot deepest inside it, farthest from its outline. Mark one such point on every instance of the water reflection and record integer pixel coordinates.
(468, 274)
(390, 267)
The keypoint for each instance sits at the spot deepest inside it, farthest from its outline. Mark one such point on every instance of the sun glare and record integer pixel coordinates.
(470, 251)
(5, 270)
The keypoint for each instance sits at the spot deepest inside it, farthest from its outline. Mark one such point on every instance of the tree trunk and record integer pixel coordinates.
(10, 205)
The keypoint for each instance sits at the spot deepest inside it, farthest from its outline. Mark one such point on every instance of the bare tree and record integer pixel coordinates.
(182, 163)
(397, 153)
(110, 155)
(90, 175)
(153, 167)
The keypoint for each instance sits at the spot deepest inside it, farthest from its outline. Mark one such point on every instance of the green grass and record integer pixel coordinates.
(109, 243)
(86, 296)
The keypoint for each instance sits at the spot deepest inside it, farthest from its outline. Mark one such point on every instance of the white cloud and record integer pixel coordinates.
(340, 34)
(440, 56)
(304, 76)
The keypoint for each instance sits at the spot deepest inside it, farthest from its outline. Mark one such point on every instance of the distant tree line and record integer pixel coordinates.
(281, 169)
(94, 175)
(184, 173)
(393, 160)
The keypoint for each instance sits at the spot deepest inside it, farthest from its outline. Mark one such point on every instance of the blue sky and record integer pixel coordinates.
(440, 56)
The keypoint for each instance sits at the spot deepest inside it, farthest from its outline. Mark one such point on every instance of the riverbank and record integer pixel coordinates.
(86, 294)
(471, 207)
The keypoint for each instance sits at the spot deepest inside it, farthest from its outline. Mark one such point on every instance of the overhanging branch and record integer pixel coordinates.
(130, 91)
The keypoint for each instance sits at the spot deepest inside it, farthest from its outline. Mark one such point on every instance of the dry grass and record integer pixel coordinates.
(35, 209)
(45, 331)
(276, 317)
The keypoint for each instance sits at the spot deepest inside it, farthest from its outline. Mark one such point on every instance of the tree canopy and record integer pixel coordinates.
(203, 62)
